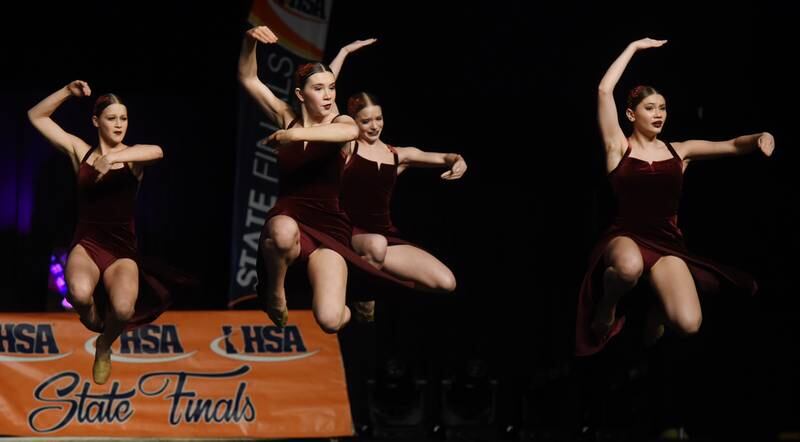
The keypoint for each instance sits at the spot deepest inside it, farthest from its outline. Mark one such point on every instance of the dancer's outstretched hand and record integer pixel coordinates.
(262, 34)
(766, 142)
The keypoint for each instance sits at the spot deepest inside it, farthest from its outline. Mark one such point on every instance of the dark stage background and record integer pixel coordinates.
(511, 86)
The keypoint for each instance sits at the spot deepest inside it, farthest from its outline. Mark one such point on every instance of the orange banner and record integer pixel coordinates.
(202, 374)
(302, 27)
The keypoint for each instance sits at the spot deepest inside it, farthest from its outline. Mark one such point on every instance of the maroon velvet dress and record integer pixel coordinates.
(367, 195)
(310, 183)
(647, 207)
(105, 229)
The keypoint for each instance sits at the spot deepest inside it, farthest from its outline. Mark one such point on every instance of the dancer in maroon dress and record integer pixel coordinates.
(644, 241)
(104, 243)
(306, 223)
(370, 177)
(369, 181)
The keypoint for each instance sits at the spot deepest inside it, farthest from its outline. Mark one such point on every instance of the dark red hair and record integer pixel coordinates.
(359, 101)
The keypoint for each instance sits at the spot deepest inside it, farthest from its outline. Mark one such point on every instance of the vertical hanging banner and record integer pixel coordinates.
(189, 375)
(302, 28)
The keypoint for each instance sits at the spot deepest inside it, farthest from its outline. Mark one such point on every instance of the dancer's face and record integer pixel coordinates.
(318, 94)
(370, 123)
(112, 123)
(650, 115)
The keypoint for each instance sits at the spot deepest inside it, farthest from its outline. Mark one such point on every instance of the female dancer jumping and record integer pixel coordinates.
(104, 244)
(306, 224)
(644, 241)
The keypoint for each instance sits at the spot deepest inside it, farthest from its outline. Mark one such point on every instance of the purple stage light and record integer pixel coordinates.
(57, 281)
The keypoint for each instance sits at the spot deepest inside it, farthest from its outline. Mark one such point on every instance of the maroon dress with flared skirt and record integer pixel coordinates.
(106, 230)
(647, 196)
(310, 180)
